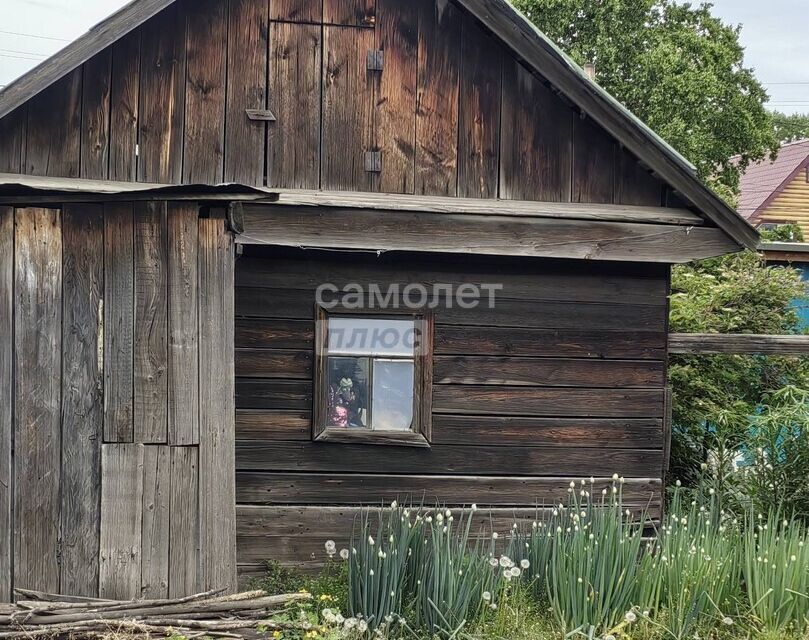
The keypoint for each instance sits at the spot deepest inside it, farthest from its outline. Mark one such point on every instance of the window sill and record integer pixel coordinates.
(388, 438)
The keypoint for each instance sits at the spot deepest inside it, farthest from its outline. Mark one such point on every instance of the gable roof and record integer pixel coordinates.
(763, 181)
(517, 32)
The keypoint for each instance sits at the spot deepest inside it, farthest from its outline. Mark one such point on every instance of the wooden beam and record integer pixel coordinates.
(735, 343)
(6, 395)
(487, 207)
(37, 397)
(343, 228)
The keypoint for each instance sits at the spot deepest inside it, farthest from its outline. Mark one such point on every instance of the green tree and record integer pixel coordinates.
(792, 127)
(677, 67)
(716, 396)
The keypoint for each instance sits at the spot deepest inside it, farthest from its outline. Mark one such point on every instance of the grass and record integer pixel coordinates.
(585, 572)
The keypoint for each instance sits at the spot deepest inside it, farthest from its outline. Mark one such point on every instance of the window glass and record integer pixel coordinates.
(347, 392)
(392, 395)
(371, 336)
(370, 373)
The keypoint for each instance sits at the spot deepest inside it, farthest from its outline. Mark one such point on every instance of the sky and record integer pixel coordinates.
(773, 32)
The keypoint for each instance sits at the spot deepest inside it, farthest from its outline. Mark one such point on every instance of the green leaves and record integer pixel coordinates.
(677, 67)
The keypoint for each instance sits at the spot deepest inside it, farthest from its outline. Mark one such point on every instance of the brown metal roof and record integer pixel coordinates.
(766, 179)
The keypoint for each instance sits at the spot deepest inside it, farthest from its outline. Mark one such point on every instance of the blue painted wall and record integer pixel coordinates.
(803, 304)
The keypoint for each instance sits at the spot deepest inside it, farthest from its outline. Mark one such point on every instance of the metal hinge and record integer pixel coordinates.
(373, 161)
(375, 60)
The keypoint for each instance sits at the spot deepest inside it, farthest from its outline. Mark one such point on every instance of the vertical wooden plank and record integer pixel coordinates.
(184, 527)
(536, 139)
(37, 388)
(154, 576)
(54, 129)
(347, 108)
(124, 107)
(12, 140)
(479, 112)
(119, 321)
(293, 146)
(82, 396)
(206, 48)
(357, 13)
(248, 31)
(183, 380)
(6, 395)
(95, 116)
(162, 89)
(593, 163)
(635, 185)
(151, 323)
(217, 490)
(394, 119)
(121, 521)
(437, 109)
(296, 10)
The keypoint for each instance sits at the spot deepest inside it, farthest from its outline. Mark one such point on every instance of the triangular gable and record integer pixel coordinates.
(522, 41)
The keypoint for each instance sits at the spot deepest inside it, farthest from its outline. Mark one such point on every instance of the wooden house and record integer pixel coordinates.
(774, 192)
(194, 196)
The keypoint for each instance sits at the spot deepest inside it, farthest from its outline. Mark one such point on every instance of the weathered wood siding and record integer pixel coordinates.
(564, 378)
(101, 304)
(190, 95)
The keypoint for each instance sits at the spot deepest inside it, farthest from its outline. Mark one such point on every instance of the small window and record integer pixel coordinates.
(372, 380)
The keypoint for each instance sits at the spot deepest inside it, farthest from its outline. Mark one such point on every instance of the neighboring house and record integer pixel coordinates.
(175, 397)
(796, 255)
(777, 192)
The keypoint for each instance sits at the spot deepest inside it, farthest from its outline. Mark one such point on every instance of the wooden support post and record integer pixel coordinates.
(728, 343)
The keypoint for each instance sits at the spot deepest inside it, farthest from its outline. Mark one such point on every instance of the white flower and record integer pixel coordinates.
(493, 562)
(678, 484)
(505, 561)
(487, 596)
(344, 554)
(371, 540)
(515, 572)
(704, 466)
(630, 617)
(331, 547)
(524, 563)
(609, 637)
(328, 616)
(572, 484)
(448, 513)
(371, 572)
(474, 507)
(494, 535)
(728, 621)
(362, 626)
(711, 491)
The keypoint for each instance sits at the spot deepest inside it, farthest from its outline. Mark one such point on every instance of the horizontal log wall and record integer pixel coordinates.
(564, 378)
(119, 417)
(268, 92)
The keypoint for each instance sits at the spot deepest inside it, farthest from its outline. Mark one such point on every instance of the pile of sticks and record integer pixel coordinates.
(37, 614)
